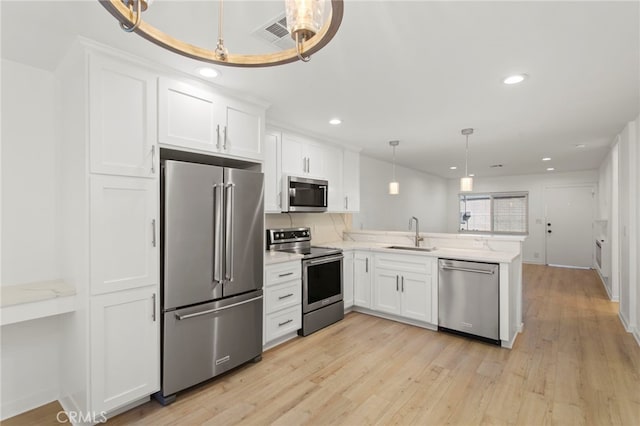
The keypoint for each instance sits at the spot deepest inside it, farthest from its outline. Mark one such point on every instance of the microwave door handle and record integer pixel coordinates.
(230, 207)
(324, 189)
(217, 233)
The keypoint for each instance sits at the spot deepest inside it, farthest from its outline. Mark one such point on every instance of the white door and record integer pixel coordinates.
(351, 181)
(347, 280)
(362, 280)
(272, 173)
(189, 116)
(386, 291)
(568, 227)
(124, 233)
(122, 117)
(242, 135)
(125, 347)
(416, 296)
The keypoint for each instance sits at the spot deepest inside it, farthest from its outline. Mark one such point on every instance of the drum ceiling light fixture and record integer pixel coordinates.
(304, 22)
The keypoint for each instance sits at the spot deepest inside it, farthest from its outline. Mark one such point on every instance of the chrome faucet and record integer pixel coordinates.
(417, 238)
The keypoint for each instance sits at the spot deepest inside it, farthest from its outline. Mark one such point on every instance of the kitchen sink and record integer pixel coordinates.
(411, 248)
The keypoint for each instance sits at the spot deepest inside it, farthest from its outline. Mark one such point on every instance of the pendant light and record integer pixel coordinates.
(394, 186)
(466, 183)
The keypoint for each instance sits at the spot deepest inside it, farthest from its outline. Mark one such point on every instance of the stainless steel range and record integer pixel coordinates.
(322, 302)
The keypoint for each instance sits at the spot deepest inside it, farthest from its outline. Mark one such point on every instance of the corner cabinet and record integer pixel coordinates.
(195, 117)
(403, 285)
(110, 231)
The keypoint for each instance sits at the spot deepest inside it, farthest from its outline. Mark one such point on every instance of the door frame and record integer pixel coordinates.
(594, 192)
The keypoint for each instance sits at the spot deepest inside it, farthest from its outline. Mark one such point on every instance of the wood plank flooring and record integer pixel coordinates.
(573, 364)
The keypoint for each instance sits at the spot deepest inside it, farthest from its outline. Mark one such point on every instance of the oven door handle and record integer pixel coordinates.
(328, 259)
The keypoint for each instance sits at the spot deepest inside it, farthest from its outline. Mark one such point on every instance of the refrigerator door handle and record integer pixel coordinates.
(217, 233)
(213, 311)
(230, 211)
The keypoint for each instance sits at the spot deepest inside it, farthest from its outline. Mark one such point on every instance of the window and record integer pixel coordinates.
(496, 213)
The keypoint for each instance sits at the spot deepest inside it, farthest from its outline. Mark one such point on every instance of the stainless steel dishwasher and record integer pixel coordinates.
(469, 299)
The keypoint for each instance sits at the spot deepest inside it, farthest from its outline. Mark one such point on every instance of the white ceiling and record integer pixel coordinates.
(415, 71)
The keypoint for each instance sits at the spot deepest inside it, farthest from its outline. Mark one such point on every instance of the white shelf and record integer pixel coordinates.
(26, 302)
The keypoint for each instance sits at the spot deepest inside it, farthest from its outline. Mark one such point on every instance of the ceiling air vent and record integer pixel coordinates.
(275, 32)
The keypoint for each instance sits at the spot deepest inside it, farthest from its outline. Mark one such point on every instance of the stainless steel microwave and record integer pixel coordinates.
(304, 195)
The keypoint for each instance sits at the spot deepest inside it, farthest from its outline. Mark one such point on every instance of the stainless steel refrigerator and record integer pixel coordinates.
(212, 272)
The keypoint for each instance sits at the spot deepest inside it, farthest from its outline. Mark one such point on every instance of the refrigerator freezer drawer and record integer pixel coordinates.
(206, 340)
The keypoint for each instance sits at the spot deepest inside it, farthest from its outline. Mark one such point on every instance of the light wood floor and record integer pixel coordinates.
(573, 364)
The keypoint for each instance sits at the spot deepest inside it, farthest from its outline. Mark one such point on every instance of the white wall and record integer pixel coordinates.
(534, 245)
(30, 355)
(421, 195)
(607, 219)
(29, 177)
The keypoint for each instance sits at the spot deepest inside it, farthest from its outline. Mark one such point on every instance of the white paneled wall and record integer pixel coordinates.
(30, 354)
(421, 195)
(534, 245)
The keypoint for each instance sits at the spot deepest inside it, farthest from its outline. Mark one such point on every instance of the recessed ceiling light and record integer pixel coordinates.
(546, 159)
(495, 166)
(580, 146)
(550, 169)
(335, 121)
(452, 168)
(471, 175)
(515, 79)
(208, 72)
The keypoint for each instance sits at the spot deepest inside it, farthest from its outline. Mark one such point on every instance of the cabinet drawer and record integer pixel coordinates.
(282, 296)
(283, 322)
(408, 263)
(282, 272)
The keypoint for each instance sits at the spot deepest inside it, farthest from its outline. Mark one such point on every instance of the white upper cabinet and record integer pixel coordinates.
(333, 172)
(122, 119)
(124, 233)
(351, 181)
(301, 157)
(272, 173)
(195, 117)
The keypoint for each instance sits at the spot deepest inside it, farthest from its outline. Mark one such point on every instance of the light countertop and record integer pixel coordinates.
(272, 257)
(34, 292)
(450, 253)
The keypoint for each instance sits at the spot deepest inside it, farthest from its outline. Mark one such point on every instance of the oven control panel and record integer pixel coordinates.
(288, 235)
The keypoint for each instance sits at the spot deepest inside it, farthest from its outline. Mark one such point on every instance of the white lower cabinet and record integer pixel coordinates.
(347, 279)
(282, 300)
(125, 347)
(403, 286)
(362, 266)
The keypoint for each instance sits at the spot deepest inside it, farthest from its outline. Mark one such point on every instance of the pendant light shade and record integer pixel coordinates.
(466, 183)
(394, 185)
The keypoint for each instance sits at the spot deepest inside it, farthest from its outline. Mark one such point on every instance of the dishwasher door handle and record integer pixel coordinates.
(477, 271)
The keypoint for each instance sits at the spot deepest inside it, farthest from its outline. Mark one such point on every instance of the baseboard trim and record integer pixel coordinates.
(19, 406)
(624, 322)
(636, 335)
(604, 284)
(391, 317)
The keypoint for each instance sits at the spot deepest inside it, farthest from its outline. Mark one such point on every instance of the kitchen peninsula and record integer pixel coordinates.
(401, 283)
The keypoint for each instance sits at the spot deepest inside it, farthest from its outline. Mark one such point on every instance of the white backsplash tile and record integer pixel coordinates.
(325, 227)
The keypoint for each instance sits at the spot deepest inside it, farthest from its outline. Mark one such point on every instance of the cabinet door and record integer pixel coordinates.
(272, 173)
(386, 291)
(189, 116)
(347, 279)
(351, 181)
(124, 233)
(122, 119)
(362, 280)
(243, 130)
(125, 347)
(416, 296)
(294, 160)
(317, 156)
(333, 172)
